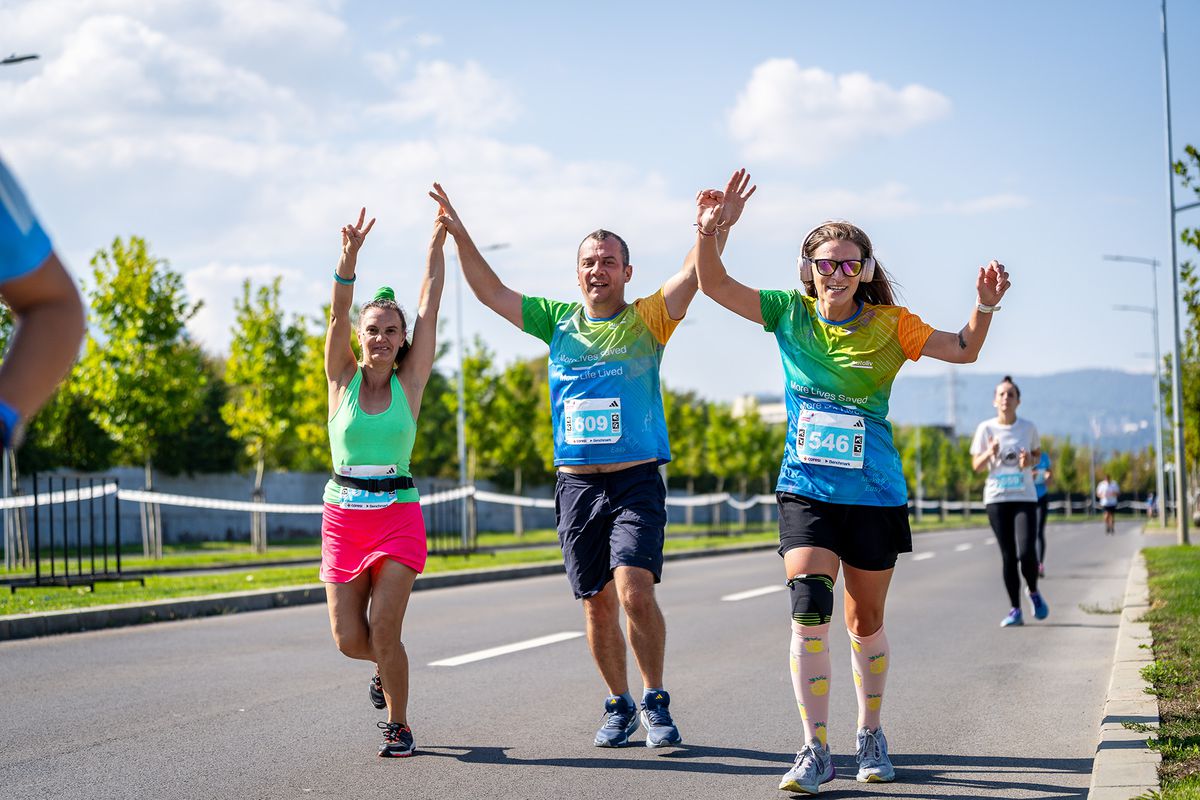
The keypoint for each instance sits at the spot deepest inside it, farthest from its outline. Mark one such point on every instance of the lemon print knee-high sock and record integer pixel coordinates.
(809, 655)
(869, 660)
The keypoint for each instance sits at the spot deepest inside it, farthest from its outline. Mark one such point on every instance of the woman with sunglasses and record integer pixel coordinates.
(841, 493)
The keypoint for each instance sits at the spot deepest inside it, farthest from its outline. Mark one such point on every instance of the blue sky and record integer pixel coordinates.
(237, 136)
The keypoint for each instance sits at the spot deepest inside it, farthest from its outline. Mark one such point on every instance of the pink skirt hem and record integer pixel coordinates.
(352, 539)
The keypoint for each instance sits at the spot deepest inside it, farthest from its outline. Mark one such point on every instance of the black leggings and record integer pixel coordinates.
(1015, 526)
(1043, 504)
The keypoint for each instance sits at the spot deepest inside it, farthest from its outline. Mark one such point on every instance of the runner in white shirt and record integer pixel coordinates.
(1107, 492)
(1009, 448)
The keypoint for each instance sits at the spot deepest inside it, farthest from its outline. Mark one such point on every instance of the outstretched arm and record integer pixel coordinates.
(49, 318)
(714, 280)
(339, 356)
(480, 277)
(418, 364)
(681, 287)
(963, 347)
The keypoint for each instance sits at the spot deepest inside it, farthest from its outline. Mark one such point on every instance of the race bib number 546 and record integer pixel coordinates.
(592, 420)
(831, 439)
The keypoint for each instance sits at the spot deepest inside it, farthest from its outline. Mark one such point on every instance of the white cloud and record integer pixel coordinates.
(459, 98)
(427, 40)
(805, 116)
(219, 284)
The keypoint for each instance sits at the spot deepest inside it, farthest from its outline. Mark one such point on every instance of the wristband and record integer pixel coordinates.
(703, 232)
(10, 425)
(344, 281)
(984, 308)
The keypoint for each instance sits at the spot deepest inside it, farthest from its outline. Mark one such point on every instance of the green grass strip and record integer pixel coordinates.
(1174, 676)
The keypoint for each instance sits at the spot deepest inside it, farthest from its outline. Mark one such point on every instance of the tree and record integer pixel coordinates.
(309, 451)
(514, 409)
(720, 449)
(144, 377)
(1188, 168)
(686, 415)
(262, 373)
(1066, 471)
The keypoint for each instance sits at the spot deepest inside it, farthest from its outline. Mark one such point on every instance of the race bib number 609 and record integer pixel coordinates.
(592, 420)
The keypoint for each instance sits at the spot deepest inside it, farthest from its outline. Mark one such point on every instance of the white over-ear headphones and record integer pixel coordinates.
(806, 264)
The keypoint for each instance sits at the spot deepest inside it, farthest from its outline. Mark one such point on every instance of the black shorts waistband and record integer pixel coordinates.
(637, 470)
(398, 483)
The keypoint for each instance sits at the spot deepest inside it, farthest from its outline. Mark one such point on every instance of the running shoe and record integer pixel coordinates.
(814, 766)
(620, 721)
(376, 691)
(397, 740)
(1013, 618)
(1040, 609)
(874, 766)
(656, 716)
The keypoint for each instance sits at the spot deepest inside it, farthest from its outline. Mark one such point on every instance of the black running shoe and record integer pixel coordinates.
(397, 740)
(376, 691)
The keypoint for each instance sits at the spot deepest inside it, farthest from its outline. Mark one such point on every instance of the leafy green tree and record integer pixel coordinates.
(205, 445)
(686, 415)
(262, 372)
(514, 409)
(479, 393)
(1067, 472)
(309, 451)
(144, 377)
(721, 457)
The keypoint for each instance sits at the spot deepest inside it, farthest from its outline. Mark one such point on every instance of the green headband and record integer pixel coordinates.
(384, 293)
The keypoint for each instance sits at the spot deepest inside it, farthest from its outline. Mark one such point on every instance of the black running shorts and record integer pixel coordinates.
(865, 537)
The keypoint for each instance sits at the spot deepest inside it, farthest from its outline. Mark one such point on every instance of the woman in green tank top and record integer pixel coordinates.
(372, 532)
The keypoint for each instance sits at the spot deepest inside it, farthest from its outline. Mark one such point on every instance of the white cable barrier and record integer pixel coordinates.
(56, 498)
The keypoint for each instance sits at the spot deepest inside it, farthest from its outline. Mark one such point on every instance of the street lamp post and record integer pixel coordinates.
(461, 416)
(1158, 454)
(1181, 496)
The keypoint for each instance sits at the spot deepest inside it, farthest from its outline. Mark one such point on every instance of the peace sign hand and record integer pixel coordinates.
(353, 236)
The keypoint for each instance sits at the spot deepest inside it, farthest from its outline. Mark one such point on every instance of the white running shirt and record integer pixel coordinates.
(1007, 482)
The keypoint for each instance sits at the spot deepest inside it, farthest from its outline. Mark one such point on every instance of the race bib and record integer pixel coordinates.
(592, 420)
(1007, 481)
(831, 439)
(350, 497)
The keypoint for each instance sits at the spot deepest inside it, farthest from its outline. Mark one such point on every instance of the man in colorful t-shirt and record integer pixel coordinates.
(49, 315)
(610, 437)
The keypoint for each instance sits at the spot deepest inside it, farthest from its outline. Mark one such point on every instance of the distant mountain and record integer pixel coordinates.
(1118, 404)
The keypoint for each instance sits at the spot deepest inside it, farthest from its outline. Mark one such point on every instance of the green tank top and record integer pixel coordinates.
(357, 438)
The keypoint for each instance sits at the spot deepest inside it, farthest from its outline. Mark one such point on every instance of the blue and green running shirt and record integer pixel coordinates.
(605, 396)
(838, 378)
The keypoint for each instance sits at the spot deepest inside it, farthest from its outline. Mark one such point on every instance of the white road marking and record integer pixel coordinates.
(990, 540)
(962, 548)
(732, 598)
(528, 644)
(923, 556)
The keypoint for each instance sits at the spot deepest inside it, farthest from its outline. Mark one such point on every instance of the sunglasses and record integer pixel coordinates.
(850, 266)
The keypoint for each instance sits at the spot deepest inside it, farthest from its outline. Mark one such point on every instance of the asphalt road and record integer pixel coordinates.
(261, 705)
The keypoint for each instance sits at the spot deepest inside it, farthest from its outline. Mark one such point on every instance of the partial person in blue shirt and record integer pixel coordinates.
(1041, 475)
(46, 307)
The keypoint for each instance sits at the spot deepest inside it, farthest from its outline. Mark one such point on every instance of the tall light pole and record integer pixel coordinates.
(461, 416)
(1158, 453)
(1181, 496)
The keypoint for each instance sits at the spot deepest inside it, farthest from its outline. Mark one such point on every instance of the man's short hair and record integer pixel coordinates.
(600, 235)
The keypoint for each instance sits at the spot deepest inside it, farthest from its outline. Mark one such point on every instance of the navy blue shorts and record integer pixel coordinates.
(865, 537)
(609, 520)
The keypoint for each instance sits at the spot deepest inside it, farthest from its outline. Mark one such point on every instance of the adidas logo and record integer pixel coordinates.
(615, 404)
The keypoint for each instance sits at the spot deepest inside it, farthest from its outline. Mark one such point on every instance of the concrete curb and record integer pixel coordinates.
(1124, 766)
(26, 626)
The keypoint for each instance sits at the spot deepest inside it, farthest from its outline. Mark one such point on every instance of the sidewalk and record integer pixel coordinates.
(1125, 766)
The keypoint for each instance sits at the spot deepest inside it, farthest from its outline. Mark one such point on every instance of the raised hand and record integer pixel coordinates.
(353, 236)
(734, 197)
(708, 210)
(1023, 459)
(994, 446)
(991, 283)
(447, 216)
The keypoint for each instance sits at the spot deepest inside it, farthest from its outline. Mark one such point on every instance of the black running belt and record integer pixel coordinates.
(375, 484)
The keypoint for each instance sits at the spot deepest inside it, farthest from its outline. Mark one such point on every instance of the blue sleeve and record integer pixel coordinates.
(23, 243)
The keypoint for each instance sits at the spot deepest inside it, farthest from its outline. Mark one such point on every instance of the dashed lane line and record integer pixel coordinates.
(528, 644)
(962, 548)
(923, 556)
(746, 595)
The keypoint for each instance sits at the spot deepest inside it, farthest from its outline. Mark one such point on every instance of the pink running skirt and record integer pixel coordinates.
(352, 539)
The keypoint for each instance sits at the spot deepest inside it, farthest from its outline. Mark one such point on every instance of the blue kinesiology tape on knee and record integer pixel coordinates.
(812, 599)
